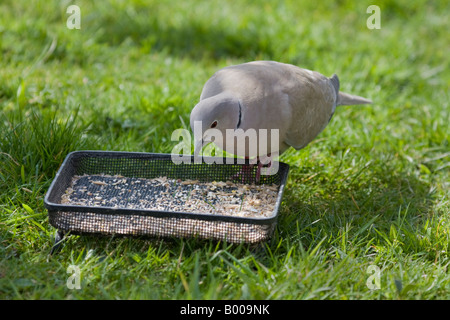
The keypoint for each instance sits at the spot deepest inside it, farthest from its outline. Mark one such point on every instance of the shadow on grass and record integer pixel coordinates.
(364, 208)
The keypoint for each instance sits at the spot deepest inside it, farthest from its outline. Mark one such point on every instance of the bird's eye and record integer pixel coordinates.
(214, 124)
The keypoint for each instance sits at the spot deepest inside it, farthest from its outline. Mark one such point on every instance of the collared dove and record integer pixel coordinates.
(267, 95)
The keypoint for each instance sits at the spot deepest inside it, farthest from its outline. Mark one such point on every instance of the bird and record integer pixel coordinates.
(298, 103)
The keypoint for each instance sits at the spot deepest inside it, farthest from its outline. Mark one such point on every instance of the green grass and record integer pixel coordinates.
(371, 190)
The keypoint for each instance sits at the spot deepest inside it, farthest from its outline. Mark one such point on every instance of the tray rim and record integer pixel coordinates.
(57, 207)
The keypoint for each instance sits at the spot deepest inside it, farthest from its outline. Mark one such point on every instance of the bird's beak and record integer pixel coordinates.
(198, 146)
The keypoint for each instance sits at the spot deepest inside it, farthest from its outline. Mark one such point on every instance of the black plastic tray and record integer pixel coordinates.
(117, 220)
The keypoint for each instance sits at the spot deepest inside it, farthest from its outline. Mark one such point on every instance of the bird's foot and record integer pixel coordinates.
(246, 172)
(259, 169)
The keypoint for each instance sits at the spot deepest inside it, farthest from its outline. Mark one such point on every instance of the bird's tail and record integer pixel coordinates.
(345, 99)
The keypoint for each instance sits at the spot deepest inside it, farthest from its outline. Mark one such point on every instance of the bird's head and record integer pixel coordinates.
(220, 112)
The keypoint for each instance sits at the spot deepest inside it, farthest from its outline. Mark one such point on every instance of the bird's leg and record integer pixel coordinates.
(258, 171)
(246, 170)
(244, 173)
(264, 161)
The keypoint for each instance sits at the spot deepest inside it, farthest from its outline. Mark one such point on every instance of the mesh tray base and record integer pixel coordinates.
(143, 222)
(107, 224)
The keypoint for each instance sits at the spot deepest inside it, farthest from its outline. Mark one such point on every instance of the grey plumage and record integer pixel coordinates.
(269, 95)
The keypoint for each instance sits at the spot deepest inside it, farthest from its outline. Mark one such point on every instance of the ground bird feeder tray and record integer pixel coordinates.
(147, 194)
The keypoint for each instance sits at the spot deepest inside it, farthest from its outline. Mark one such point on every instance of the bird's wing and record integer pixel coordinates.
(312, 98)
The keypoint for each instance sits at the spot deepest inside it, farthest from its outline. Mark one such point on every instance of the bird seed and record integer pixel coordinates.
(163, 194)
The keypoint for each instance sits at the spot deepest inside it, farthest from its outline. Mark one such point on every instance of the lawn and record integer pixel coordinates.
(365, 213)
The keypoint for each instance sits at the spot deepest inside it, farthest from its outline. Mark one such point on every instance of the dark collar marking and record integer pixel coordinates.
(240, 115)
